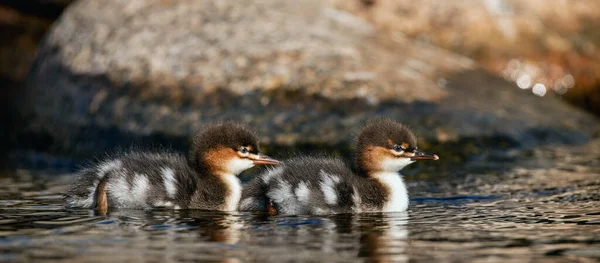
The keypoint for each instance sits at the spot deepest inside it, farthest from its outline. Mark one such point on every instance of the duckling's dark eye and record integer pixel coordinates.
(244, 150)
(398, 148)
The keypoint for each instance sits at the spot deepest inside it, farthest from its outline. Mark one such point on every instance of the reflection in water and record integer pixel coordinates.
(218, 227)
(387, 242)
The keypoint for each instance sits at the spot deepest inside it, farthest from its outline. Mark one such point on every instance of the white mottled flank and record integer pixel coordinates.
(108, 166)
(238, 165)
(163, 204)
(101, 170)
(235, 187)
(118, 189)
(395, 164)
(328, 186)
(320, 211)
(125, 197)
(271, 173)
(398, 199)
(356, 200)
(302, 193)
(284, 197)
(169, 181)
(247, 203)
(140, 186)
(330, 177)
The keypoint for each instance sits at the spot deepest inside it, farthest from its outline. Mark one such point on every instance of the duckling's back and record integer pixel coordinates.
(134, 180)
(303, 185)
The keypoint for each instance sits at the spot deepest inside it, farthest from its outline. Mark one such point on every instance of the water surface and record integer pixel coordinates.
(542, 208)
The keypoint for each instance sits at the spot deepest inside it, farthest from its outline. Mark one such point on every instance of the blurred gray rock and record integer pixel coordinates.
(111, 72)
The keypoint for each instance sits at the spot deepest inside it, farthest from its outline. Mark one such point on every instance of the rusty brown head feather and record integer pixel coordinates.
(384, 140)
(217, 144)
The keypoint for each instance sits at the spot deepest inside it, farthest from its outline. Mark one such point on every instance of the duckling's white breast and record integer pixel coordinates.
(398, 195)
(235, 192)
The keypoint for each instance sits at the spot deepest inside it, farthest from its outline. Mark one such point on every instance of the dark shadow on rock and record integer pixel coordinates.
(44, 9)
(481, 114)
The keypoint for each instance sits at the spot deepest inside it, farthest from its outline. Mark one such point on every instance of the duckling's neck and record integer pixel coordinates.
(230, 182)
(234, 190)
(397, 195)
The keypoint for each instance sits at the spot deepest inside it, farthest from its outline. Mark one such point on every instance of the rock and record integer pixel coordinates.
(553, 45)
(115, 72)
(23, 24)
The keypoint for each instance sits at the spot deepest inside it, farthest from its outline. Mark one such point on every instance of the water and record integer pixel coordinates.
(544, 207)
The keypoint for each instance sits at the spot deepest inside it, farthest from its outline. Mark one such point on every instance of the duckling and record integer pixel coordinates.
(314, 185)
(206, 179)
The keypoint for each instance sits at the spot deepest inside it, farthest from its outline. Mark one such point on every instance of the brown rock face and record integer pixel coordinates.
(114, 71)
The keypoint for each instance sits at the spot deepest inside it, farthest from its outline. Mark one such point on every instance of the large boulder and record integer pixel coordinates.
(525, 41)
(112, 72)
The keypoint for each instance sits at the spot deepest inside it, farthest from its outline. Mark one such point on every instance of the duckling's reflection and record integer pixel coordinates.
(384, 237)
(216, 226)
(213, 226)
(378, 237)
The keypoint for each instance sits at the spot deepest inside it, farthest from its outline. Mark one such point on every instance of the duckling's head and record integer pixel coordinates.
(226, 148)
(385, 145)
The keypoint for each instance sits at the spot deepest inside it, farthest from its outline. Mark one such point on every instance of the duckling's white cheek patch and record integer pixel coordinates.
(395, 164)
(238, 165)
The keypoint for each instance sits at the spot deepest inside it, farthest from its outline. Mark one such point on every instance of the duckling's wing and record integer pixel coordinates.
(305, 185)
(254, 196)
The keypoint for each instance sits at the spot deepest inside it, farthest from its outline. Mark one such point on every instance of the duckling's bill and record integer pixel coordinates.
(424, 156)
(263, 159)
